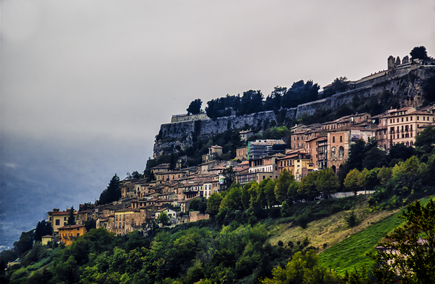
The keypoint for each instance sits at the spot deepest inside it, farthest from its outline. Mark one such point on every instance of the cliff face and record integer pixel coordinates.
(175, 136)
(403, 85)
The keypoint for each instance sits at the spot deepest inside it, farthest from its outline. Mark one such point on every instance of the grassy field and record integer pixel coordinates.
(330, 230)
(352, 251)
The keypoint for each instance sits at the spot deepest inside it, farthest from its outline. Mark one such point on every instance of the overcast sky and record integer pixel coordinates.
(86, 74)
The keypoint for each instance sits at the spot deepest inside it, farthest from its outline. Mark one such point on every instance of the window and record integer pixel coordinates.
(418, 118)
(333, 154)
(402, 119)
(406, 118)
(423, 118)
(57, 222)
(333, 139)
(341, 138)
(341, 152)
(64, 218)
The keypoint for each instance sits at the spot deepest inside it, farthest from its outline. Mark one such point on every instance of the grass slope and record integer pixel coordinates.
(328, 230)
(352, 252)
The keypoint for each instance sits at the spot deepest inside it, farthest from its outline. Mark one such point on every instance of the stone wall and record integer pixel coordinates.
(196, 216)
(404, 83)
(188, 117)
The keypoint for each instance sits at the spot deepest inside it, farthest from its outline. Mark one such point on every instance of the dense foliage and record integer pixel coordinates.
(410, 249)
(252, 101)
(418, 52)
(194, 107)
(112, 192)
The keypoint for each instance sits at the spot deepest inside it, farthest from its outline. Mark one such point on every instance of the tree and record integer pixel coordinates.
(408, 254)
(337, 86)
(353, 181)
(402, 152)
(425, 140)
(90, 224)
(112, 192)
(327, 182)
(418, 52)
(307, 187)
(230, 176)
(66, 271)
(198, 204)
(285, 209)
(194, 107)
(232, 200)
(300, 93)
(163, 218)
(213, 203)
(371, 179)
(356, 155)
(246, 196)
(71, 217)
(43, 228)
(269, 192)
(374, 158)
(302, 269)
(281, 186)
(273, 102)
(384, 175)
(24, 244)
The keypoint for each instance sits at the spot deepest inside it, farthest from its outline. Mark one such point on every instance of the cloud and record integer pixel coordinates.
(11, 165)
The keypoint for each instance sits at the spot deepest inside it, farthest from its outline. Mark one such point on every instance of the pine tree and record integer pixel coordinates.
(112, 192)
(71, 218)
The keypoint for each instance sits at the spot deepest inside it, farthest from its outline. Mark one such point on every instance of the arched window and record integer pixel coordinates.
(341, 152)
(333, 153)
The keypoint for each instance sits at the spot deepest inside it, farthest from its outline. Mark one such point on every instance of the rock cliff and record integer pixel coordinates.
(402, 84)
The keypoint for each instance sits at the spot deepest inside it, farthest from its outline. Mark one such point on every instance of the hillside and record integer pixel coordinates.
(332, 188)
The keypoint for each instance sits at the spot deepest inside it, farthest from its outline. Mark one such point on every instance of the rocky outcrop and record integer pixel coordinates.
(175, 136)
(403, 83)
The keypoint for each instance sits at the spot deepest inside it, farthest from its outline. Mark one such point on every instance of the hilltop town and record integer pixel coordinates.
(251, 188)
(302, 149)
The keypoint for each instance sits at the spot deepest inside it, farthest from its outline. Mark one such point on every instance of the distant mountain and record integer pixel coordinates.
(37, 175)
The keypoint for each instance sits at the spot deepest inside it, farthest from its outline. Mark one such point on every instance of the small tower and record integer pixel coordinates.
(390, 62)
(398, 61)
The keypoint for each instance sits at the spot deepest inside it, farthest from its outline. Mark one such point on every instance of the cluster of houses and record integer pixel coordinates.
(313, 147)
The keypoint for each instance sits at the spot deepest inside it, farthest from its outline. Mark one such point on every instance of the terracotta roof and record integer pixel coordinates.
(60, 213)
(68, 227)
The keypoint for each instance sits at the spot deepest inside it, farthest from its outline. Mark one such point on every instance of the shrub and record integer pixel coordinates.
(302, 220)
(306, 241)
(252, 220)
(351, 219)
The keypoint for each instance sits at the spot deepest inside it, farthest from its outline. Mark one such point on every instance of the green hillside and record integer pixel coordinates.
(352, 252)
